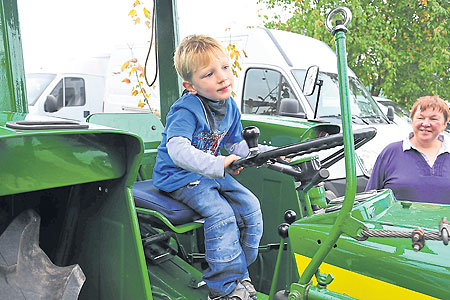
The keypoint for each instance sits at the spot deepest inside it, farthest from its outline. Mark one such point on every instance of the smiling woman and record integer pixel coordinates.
(418, 168)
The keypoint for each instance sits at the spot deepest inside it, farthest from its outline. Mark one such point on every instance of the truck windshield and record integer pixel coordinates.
(364, 109)
(36, 84)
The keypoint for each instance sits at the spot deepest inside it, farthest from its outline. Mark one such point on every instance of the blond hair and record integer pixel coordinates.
(433, 102)
(194, 52)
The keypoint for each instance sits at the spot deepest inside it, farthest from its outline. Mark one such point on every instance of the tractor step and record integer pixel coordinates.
(26, 272)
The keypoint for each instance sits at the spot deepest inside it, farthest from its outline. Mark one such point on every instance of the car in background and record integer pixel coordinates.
(400, 113)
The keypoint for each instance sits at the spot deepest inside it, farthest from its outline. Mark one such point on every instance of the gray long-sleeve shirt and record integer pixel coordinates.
(187, 157)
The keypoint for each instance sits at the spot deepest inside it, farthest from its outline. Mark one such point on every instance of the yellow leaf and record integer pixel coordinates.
(136, 3)
(133, 69)
(126, 80)
(125, 65)
(147, 13)
(134, 93)
(132, 13)
(137, 21)
(141, 104)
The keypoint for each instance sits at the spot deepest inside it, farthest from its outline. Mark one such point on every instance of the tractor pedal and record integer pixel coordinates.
(157, 247)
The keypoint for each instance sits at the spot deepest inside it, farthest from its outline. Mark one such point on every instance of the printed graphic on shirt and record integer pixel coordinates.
(209, 142)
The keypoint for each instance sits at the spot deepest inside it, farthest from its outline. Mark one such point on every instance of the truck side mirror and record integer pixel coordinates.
(309, 85)
(51, 104)
(390, 113)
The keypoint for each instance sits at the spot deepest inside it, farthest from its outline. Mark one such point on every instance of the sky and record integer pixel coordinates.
(56, 30)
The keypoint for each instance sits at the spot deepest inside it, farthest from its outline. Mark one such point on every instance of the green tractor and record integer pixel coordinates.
(79, 217)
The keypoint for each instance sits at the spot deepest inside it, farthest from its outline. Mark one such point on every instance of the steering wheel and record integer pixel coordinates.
(255, 159)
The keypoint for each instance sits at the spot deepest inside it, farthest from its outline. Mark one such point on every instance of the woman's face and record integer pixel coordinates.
(428, 124)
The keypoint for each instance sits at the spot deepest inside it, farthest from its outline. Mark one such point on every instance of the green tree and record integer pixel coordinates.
(400, 48)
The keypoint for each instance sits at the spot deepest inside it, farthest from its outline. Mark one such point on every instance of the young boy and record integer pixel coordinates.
(190, 168)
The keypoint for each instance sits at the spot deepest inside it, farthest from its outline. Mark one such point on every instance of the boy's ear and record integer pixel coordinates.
(187, 85)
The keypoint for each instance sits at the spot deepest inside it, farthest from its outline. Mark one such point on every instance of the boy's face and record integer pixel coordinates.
(214, 81)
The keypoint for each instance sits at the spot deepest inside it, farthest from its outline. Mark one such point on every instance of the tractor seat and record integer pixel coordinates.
(148, 197)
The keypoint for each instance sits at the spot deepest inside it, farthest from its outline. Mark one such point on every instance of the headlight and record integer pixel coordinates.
(366, 159)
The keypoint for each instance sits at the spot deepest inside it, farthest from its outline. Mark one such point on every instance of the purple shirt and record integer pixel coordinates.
(410, 177)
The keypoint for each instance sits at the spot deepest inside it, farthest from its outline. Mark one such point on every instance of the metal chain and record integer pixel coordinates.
(434, 235)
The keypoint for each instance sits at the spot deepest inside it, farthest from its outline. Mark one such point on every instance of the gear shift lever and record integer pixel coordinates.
(251, 135)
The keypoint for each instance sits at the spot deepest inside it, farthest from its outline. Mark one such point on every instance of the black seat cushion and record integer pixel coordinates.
(149, 197)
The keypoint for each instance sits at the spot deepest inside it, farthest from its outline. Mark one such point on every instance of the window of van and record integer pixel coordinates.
(364, 109)
(74, 89)
(69, 92)
(264, 89)
(36, 84)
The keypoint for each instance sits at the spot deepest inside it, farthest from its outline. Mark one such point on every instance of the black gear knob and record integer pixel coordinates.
(251, 135)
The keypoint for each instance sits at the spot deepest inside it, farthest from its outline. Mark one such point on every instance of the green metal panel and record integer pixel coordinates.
(145, 125)
(279, 131)
(35, 162)
(12, 75)
(167, 40)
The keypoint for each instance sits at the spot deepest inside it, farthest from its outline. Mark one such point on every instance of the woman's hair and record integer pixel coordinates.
(194, 52)
(433, 102)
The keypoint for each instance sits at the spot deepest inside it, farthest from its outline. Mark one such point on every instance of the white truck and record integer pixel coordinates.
(73, 91)
(91, 85)
(271, 82)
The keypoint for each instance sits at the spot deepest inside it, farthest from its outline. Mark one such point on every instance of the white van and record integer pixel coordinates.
(91, 85)
(73, 92)
(272, 75)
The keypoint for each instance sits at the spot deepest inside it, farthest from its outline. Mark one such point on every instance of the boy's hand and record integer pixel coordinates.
(227, 162)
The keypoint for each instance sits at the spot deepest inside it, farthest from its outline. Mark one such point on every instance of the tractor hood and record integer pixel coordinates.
(36, 155)
(380, 262)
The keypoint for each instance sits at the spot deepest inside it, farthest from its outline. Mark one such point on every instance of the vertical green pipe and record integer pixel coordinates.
(350, 169)
(276, 271)
(300, 207)
(12, 74)
(305, 197)
(167, 39)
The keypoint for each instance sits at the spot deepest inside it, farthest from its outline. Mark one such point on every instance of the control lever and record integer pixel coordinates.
(251, 135)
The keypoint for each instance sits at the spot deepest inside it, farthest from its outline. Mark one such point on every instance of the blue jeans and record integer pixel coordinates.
(233, 228)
